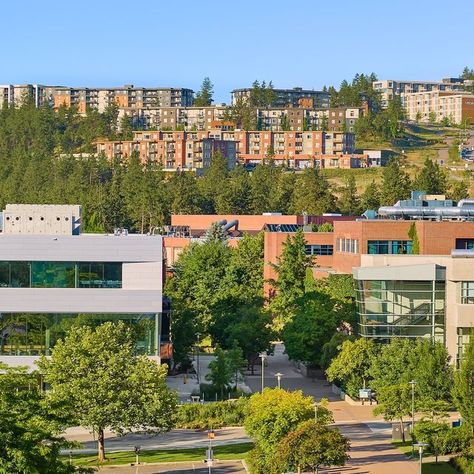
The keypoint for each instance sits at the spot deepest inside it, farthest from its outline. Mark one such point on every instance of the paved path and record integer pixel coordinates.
(224, 467)
(175, 439)
(371, 449)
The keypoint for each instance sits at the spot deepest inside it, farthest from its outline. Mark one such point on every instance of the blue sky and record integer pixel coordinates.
(306, 43)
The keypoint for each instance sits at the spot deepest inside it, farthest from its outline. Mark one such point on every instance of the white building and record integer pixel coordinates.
(50, 281)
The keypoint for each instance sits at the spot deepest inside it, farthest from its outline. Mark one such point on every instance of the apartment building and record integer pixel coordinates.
(172, 150)
(288, 97)
(455, 106)
(53, 277)
(186, 150)
(390, 88)
(98, 98)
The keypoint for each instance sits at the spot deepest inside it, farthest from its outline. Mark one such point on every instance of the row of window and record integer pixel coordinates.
(319, 249)
(389, 247)
(347, 245)
(60, 275)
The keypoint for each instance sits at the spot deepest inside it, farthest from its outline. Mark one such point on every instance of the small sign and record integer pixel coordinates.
(365, 393)
(211, 434)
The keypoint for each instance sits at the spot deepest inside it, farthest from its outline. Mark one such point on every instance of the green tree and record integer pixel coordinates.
(432, 117)
(237, 362)
(463, 390)
(235, 197)
(458, 190)
(312, 194)
(332, 348)
(310, 446)
(418, 117)
(370, 198)
(270, 416)
(413, 236)
(220, 371)
(394, 403)
(98, 378)
(212, 184)
(204, 96)
(349, 201)
(291, 273)
(351, 367)
(432, 178)
(29, 428)
(312, 325)
(395, 183)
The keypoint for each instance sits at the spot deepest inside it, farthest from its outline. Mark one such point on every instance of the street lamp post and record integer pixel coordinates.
(263, 357)
(420, 447)
(316, 406)
(198, 334)
(278, 375)
(412, 383)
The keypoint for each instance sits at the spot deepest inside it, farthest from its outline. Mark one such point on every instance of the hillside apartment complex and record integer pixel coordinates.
(455, 106)
(98, 98)
(53, 277)
(397, 293)
(184, 150)
(296, 97)
(271, 118)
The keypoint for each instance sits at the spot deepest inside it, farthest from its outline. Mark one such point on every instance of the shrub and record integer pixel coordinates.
(209, 392)
(211, 415)
(463, 464)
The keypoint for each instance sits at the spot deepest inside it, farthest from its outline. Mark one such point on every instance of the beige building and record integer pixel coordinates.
(390, 88)
(454, 106)
(430, 296)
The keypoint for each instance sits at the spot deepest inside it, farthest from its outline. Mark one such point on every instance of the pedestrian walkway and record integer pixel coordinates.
(371, 448)
(223, 467)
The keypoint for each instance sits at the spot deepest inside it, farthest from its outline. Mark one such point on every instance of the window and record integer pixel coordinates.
(347, 245)
(385, 247)
(464, 244)
(467, 292)
(319, 249)
(60, 275)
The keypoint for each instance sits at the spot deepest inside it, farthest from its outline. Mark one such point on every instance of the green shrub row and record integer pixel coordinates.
(204, 416)
(463, 464)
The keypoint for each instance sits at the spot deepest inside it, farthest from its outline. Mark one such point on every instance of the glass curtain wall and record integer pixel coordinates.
(60, 275)
(401, 309)
(36, 334)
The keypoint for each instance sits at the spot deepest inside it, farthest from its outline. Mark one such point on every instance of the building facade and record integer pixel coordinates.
(389, 88)
(185, 149)
(51, 280)
(97, 98)
(423, 106)
(288, 97)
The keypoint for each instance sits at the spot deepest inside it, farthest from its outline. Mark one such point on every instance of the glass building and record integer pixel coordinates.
(404, 301)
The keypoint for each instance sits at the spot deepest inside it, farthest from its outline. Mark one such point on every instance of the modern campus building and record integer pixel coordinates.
(390, 88)
(97, 98)
(186, 150)
(425, 106)
(399, 293)
(53, 277)
(288, 97)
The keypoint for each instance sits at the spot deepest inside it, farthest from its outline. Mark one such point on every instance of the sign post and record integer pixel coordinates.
(210, 458)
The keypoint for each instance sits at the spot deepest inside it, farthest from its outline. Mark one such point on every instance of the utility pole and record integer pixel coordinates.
(263, 357)
(412, 383)
(197, 360)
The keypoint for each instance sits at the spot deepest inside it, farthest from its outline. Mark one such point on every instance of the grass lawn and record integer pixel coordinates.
(429, 467)
(230, 451)
(440, 468)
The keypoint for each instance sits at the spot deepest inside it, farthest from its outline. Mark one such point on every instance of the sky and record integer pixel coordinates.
(309, 43)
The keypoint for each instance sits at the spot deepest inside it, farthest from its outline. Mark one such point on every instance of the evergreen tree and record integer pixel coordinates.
(349, 201)
(312, 194)
(204, 96)
(432, 178)
(395, 183)
(370, 198)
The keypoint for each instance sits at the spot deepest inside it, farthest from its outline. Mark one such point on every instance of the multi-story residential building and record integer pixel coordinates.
(53, 277)
(172, 150)
(185, 150)
(390, 88)
(288, 97)
(273, 119)
(98, 98)
(454, 106)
